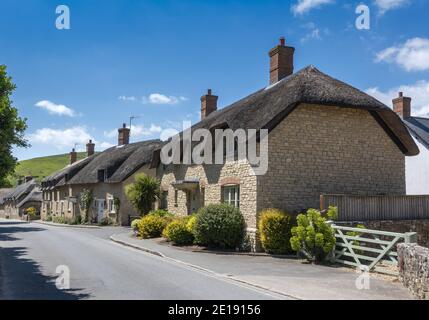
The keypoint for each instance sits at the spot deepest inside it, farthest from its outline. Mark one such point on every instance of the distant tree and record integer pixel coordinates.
(12, 128)
(143, 193)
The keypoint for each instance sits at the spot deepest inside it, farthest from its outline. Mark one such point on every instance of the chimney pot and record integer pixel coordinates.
(90, 148)
(124, 135)
(281, 62)
(73, 156)
(208, 104)
(402, 106)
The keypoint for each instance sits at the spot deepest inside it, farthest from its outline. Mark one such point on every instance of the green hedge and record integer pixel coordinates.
(152, 226)
(178, 232)
(219, 226)
(275, 231)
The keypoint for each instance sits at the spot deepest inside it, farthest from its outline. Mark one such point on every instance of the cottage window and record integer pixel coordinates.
(111, 205)
(102, 175)
(203, 197)
(164, 200)
(231, 195)
(176, 198)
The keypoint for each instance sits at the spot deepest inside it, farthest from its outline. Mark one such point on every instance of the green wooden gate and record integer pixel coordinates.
(372, 250)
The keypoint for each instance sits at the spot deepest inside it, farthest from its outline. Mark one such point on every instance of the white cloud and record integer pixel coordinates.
(125, 98)
(386, 5)
(419, 92)
(303, 6)
(57, 109)
(60, 139)
(413, 55)
(137, 131)
(105, 145)
(155, 98)
(66, 139)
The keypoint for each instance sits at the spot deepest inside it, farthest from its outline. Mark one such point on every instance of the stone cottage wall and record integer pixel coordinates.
(414, 269)
(104, 191)
(320, 149)
(212, 178)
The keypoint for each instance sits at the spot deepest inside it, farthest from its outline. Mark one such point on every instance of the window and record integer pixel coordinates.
(203, 197)
(231, 195)
(176, 197)
(164, 200)
(102, 175)
(111, 205)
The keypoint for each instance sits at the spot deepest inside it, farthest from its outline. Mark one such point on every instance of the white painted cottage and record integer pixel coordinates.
(417, 167)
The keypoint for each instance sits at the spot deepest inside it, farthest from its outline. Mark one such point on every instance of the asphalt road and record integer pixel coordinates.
(100, 269)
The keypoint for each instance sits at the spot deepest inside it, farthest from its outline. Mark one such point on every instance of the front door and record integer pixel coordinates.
(192, 201)
(100, 210)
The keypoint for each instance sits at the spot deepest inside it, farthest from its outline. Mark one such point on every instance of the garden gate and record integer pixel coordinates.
(372, 250)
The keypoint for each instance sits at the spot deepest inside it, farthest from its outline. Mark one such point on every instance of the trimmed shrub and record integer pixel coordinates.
(106, 221)
(275, 230)
(135, 225)
(313, 237)
(32, 212)
(219, 226)
(192, 222)
(76, 220)
(177, 232)
(59, 219)
(152, 226)
(161, 213)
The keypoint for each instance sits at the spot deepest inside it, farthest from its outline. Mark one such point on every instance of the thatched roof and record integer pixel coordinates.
(34, 196)
(119, 163)
(61, 177)
(21, 190)
(3, 193)
(419, 129)
(266, 108)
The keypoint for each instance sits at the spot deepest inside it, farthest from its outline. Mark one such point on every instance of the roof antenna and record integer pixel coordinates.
(132, 118)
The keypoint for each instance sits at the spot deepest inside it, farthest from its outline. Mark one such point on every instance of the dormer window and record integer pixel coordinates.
(102, 175)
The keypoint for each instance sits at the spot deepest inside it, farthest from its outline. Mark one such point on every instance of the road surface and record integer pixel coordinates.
(100, 269)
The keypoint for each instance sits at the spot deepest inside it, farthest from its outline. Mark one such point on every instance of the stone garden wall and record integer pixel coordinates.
(414, 269)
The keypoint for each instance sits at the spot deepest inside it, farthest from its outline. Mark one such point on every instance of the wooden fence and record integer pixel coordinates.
(373, 208)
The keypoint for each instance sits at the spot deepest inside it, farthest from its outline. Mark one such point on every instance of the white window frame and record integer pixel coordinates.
(111, 205)
(231, 195)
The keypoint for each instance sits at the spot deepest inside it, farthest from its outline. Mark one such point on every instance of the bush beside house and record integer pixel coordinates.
(313, 237)
(179, 233)
(275, 231)
(220, 226)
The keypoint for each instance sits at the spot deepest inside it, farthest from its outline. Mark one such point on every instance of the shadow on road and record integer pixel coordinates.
(20, 277)
(7, 233)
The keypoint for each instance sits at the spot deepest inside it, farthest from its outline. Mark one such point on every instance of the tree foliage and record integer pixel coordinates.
(12, 127)
(143, 192)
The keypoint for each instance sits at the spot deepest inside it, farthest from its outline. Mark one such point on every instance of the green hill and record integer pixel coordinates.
(43, 167)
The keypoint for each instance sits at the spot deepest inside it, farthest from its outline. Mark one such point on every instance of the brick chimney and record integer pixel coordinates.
(402, 106)
(124, 135)
(73, 156)
(208, 104)
(90, 148)
(281, 62)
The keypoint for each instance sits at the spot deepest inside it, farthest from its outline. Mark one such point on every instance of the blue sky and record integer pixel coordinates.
(154, 59)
